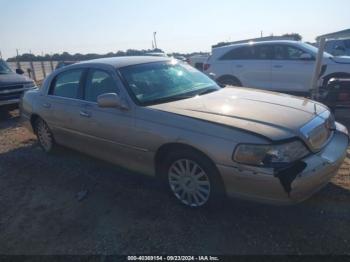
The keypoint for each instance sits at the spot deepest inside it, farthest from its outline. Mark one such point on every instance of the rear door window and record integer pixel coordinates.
(286, 52)
(240, 53)
(67, 84)
(256, 52)
(262, 52)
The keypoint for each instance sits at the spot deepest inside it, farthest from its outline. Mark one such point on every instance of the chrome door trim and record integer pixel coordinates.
(104, 140)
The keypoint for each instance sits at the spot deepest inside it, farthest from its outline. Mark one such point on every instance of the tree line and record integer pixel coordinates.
(65, 56)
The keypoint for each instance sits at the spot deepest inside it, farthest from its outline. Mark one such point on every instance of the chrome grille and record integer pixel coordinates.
(319, 130)
(11, 87)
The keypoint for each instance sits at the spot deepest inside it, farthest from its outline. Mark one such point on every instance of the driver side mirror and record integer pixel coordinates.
(19, 71)
(306, 56)
(111, 100)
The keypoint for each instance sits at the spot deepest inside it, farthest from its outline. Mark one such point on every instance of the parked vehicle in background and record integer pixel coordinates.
(283, 66)
(338, 47)
(336, 94)
(64, 63)
(181, 58)
(166, 119)
(198, 61)
(12, 84)
(158, 54)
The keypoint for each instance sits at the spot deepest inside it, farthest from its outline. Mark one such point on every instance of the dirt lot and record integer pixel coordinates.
(123, 213)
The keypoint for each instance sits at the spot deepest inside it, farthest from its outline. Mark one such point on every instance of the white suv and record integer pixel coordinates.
(284, 66)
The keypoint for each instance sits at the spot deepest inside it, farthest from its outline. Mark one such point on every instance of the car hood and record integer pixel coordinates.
(13, 78)
(273, 115)
(341, 59)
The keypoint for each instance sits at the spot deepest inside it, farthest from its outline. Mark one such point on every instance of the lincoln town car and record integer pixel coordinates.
(166, 119)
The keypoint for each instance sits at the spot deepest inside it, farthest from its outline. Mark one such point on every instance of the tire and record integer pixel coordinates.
(339, 75)
(45, 136)
(229, 81)
(192, 179)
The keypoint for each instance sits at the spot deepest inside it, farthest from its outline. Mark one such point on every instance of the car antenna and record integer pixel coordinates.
(315, 109)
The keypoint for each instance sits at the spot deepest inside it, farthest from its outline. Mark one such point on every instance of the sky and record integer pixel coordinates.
(102, 26)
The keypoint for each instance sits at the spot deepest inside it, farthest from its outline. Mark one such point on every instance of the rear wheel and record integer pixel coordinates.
(45, 137)
(339, 75)
(192, 179)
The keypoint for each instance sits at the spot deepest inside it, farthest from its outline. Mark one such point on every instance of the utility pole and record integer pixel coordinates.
(261, 34)
(317, 70)
(0, 55)
(18, 63)
(155, 40)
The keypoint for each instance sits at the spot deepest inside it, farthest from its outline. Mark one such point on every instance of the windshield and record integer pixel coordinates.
(4, 68)
(314, 50)
(161, 82)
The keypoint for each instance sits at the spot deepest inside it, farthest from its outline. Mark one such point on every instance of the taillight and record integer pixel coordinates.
(206, 67)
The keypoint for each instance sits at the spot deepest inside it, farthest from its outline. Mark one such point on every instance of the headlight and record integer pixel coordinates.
(270, 155)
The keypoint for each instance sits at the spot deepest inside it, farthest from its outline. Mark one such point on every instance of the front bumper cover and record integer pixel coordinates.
(292, 185)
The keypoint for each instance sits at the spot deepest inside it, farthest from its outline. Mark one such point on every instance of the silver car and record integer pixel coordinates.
(165, 119)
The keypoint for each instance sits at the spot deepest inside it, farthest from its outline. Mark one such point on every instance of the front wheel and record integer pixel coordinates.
(192, 179)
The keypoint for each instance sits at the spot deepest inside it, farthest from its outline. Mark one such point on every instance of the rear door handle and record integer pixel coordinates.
(278, 66)
(239, 66)
(46, 105)
(85, 114)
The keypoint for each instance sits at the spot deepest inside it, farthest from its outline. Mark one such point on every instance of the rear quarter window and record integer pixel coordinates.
(239, 53)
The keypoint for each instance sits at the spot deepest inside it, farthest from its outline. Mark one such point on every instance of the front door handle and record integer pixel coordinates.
(85, 114)
(46, 105)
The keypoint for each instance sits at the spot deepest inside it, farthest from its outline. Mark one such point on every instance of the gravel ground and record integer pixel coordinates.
(69, 203)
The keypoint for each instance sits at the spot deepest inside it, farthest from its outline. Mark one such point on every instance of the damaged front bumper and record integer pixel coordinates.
(288, 186)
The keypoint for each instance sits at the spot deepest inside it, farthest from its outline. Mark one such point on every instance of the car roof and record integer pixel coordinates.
(123, 61)
(257, 43)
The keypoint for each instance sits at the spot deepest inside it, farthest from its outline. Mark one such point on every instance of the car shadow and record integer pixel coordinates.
(42, 194)
(9, 116)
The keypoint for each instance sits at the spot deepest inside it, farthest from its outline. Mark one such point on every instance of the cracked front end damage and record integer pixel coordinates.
(288, 175)
(291, 185)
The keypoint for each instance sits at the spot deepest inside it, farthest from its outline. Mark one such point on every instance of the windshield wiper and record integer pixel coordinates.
(207, 91)
(167, 99)
(179, 97)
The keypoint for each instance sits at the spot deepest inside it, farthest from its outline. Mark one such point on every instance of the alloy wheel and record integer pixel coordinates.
(44, 136)
(189, 182)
